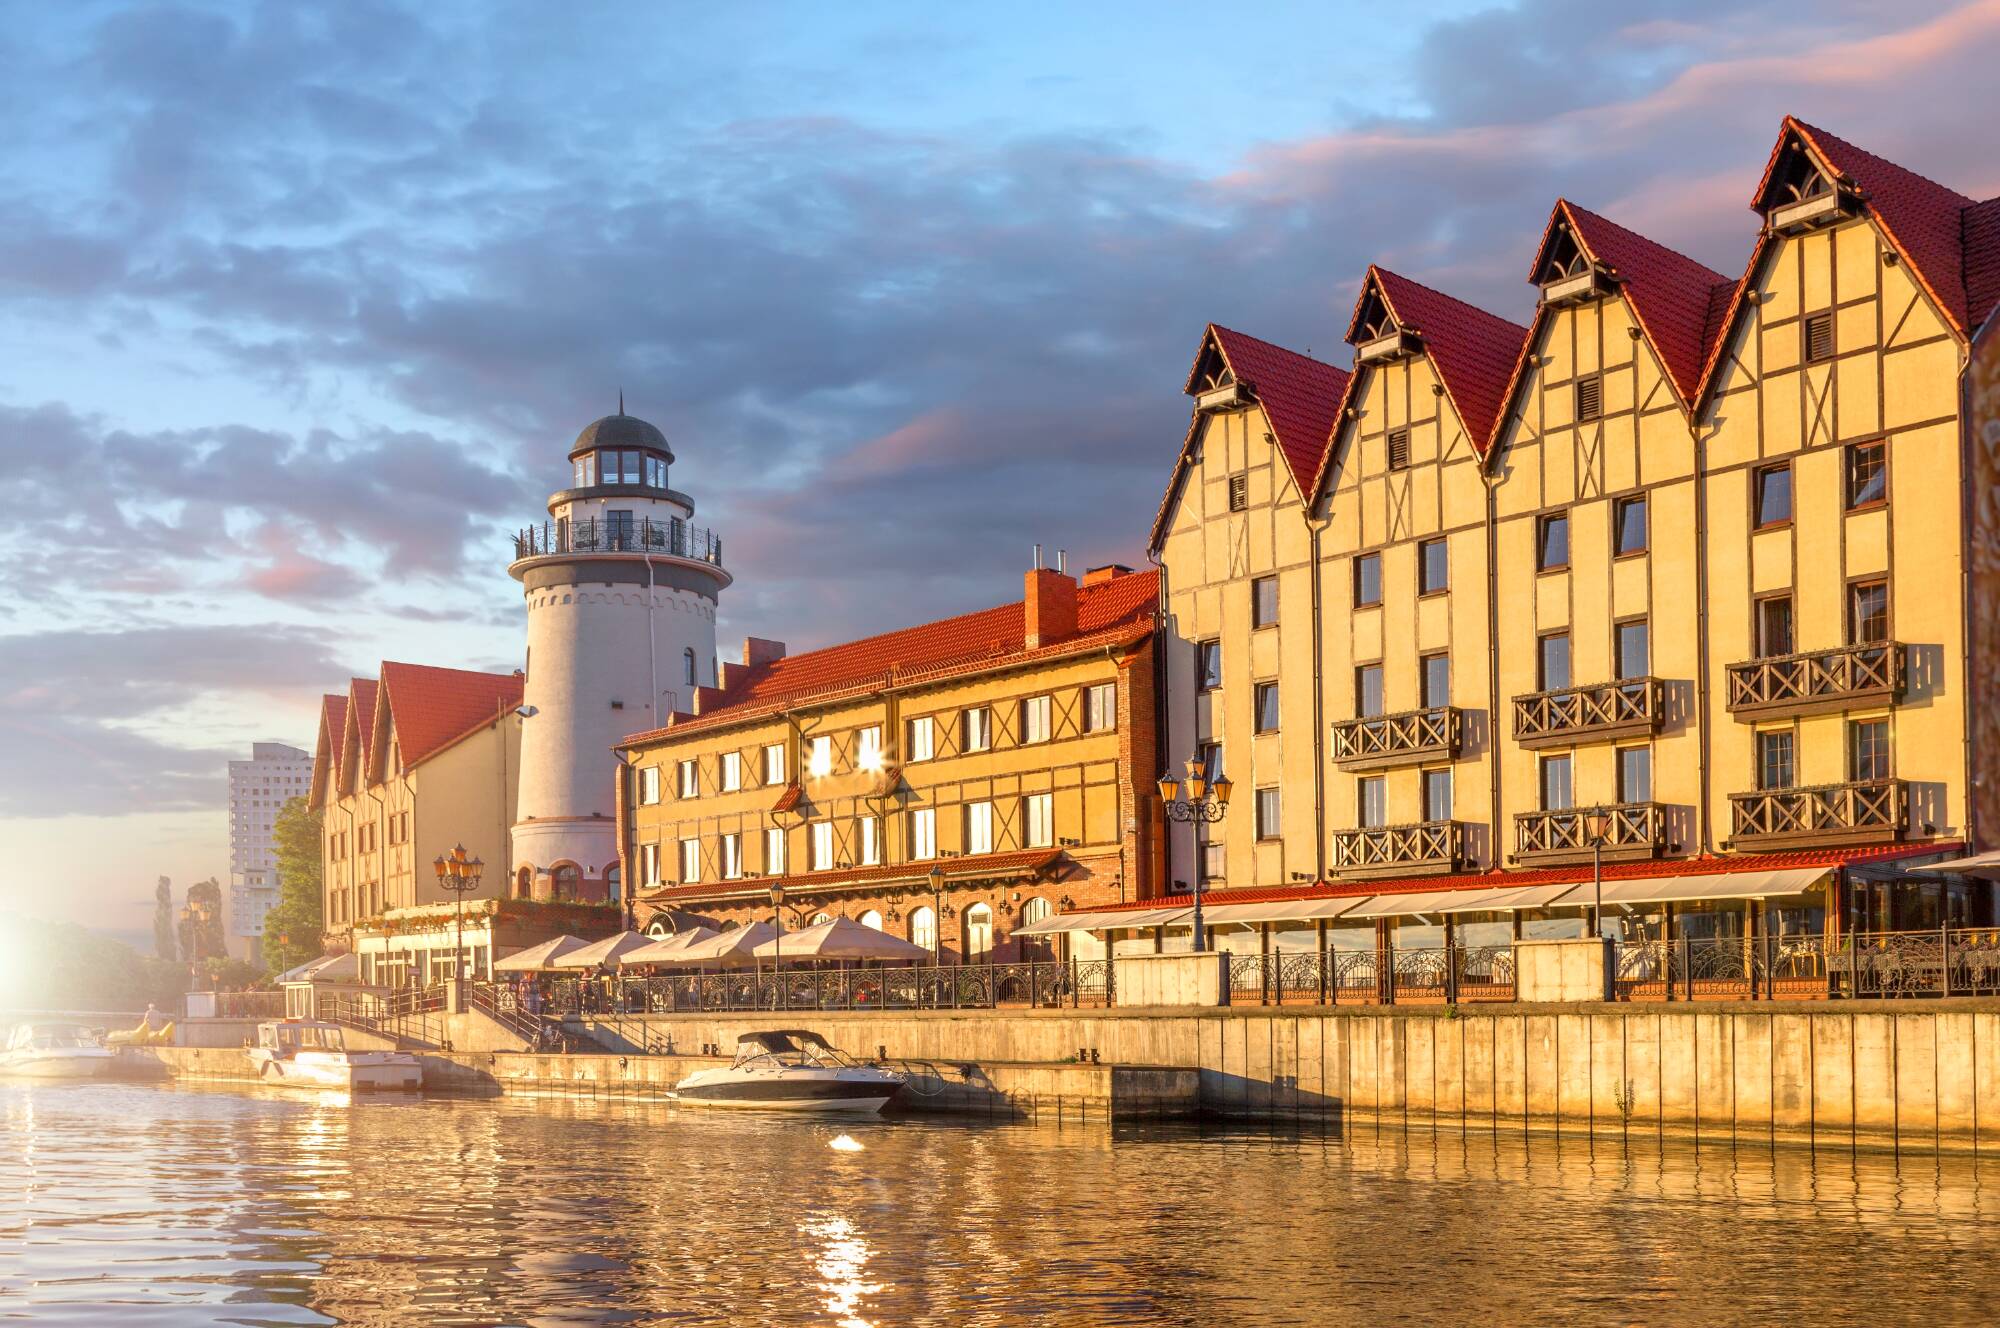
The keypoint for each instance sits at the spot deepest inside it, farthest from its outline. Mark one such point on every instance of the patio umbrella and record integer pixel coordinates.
(606, 952)
(662, 951)
(840, 938)
(537, 958)
(735, 948)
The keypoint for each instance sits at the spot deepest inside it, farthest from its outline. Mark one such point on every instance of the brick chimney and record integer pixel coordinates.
(1048, 608)
(756, 650)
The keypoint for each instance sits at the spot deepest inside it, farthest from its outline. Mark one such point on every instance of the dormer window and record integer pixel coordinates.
(1376, 335)
(1566, 274)
(1214, 386)
(1801, 195)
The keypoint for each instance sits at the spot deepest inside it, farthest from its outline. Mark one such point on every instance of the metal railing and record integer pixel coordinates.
(249, 1004)
(1605, 710)
(672, 538)
(1047, 985)
(1866, 809)
(1553, 836)
(1380, 741)
(1413, 975)
(1419, 846)
(1817, 680)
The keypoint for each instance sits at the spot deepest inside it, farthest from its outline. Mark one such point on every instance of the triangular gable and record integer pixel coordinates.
(429, 709)
(326, 751)
(353, 746)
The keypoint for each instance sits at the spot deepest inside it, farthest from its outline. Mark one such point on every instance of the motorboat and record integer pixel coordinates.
(306, 1053)
(790, 1070)
(56, 1051)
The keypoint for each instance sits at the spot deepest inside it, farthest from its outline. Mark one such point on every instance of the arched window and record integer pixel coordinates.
(611, 881)
(872, 918)
(687, 659)
(978, 933)
(923, 928)
(567, 879)
(524, 883)
(1035, 947)
(658, 930)
(819, 918)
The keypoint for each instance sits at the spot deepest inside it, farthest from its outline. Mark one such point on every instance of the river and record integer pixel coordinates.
(132, 1205)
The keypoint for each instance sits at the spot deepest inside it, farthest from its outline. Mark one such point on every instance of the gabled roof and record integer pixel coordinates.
(1669, 292)
(326, 751)
(1111, 613)
(1301, 398)
(360, 730)
(429, 708)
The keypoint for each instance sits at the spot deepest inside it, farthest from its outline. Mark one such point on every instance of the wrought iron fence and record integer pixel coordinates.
(672, 538)
(1945, 962)
(1354, 977)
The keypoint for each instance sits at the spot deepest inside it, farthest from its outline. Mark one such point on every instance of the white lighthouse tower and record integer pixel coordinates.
(621, 592)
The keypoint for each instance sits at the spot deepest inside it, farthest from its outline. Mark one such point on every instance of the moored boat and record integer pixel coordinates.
(304, 1053)
(55, 1051)
(790, 1070)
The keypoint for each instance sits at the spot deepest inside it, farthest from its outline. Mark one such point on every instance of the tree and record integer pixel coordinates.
(61, 966)
(293, 925)
(201, 937)
(166, 940)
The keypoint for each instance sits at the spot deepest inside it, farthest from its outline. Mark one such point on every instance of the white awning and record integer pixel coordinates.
(1279, 910)
(1421, 901)
(1559, 895)
(1985, 865)
(1715, 885)
(1108, 920)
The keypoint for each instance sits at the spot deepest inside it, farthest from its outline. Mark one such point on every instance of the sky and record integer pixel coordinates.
(301, 305)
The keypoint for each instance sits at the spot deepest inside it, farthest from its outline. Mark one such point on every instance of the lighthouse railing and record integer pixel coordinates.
(673, 538)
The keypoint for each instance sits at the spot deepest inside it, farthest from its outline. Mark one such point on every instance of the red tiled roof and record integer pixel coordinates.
(1019, 862)
(789, 798)
(1669, 292)
(1712, 865)
(1473, 351)
(1982, 260)
(361, 717)
(326, 754)
(431, 708)
(1110, 613)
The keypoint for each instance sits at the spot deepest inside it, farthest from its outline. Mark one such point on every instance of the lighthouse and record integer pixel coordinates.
(621, 591)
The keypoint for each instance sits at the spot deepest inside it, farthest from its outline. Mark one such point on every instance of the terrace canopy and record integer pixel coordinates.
(538, 958)
(735, 948)
(840, 938)
(660, 952)
(1106, 920)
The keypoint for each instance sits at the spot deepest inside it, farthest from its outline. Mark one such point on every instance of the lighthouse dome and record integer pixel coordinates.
(620, 430)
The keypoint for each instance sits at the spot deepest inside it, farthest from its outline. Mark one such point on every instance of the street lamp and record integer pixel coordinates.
(1204, 801)
(936, 878)
(1597, 829)
(778, 916)
(195, 914)
(460, 875)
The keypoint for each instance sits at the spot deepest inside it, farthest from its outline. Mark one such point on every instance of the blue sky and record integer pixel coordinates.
(299, 305)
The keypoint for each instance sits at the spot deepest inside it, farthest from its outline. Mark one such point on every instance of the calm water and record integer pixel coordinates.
(137, 1205)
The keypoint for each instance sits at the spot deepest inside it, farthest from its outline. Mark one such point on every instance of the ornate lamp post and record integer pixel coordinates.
(195, 914)
(1597, 829)
(778, 953)
(460, 875)
(935, 878)
(1203, 802)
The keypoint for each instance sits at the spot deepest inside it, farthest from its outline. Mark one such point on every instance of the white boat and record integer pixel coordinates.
(305, 1053)
(790, 1070)
(56, 1051)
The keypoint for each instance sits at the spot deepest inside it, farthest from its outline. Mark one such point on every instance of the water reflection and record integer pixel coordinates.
(184, 1205)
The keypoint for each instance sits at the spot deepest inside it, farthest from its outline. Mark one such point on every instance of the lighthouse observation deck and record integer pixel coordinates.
(672, 538)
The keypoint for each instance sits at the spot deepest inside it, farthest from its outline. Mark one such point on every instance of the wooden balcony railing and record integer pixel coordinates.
(1382, 741)
(1638, 830)
(1626, 708)
(1397, 850)
(1875, 809)
(1817, 681)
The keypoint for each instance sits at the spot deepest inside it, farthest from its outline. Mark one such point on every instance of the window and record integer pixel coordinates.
(1867, 474)
(1208, 665)
(1774, 626)
(872, 918)
(687, 666)
(1433, 567)
(923, 833)
(1774, 496)
(819, 756)
(732, 771)
(649, 784)
(1868, 750)
(1367, 580)
(1040, 809)
(871, 841)
(1434, 673)
(774, 852)
(1818, 338)
(923, 929)
(690, 861)
(1868, 613)
(1635, 774)
(979, 827)
(1589, 399)
(1552, 543)
(1208, 757)
(1552, 668)
(868, 748)
(922, 744)
(689, 785)
(586, 470)
(1100, 707)
(1437, 795)
(1774, 759)
(1371, 802)
(656, 472)
(1556, 788)
(732, 857)
(1267, 813)
(1266, 697)
(1239, 492)
(822, 845)
(1634, 649)
(774, 764)
(1628, 520)
(1214, 860)
(1399, 449)
(1368, 691)
(1035, 719)
(1264, 601)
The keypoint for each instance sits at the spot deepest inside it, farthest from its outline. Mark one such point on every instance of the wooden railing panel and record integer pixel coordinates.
(1618, 709)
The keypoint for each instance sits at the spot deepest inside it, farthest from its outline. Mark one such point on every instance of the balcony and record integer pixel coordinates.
(1817, 681)
(1638, 830)
(1400, 850)
(1627, 708)
(670, 539)
(1868, 811)
(1383, 741)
